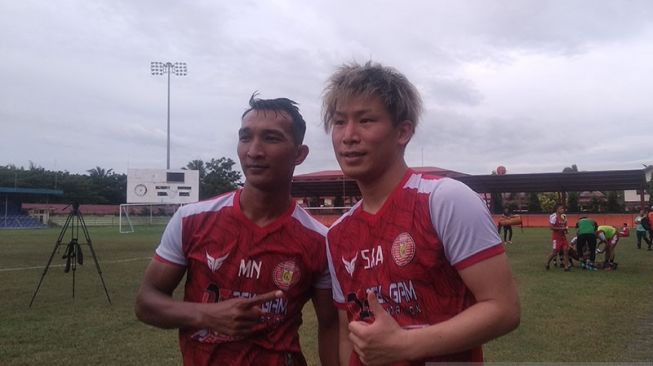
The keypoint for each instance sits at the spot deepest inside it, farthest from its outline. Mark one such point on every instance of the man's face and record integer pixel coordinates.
(267, 150)
(560, 210)
(364, 139)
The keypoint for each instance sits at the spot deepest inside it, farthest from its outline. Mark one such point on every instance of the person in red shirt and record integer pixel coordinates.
(252, 258)
(419, 272)
(558, 226)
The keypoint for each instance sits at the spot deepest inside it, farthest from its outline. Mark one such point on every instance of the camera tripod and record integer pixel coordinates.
(73, 252)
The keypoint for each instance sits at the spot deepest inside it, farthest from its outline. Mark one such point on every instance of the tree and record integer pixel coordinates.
(548, 201)
(497, 203)
(198, 165)
(570, 169)
(534, 203)
(613, 204)
(216, 176)
(595, 204)
(572, 202)
(99, 173)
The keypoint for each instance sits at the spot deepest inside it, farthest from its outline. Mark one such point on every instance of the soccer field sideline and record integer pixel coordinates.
(63, 265)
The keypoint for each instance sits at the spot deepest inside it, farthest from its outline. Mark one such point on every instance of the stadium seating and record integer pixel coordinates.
(20, 222)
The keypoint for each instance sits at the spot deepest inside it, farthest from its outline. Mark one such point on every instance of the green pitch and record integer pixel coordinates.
(568, 317)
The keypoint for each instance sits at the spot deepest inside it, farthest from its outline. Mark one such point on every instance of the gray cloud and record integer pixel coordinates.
(533, 85)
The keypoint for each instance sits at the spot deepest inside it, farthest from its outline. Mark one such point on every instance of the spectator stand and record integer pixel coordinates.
(12, 214)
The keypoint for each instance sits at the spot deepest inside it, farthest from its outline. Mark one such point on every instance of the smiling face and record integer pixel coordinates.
(267, 150)
(365, 140)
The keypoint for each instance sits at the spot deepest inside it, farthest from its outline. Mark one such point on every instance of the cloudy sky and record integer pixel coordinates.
(531, 85)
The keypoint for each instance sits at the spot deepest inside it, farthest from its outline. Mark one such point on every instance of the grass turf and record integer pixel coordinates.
(566, 317)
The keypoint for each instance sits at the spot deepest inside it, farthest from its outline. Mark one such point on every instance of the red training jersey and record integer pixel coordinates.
(409, 253)
(557, 221)
(228, 256)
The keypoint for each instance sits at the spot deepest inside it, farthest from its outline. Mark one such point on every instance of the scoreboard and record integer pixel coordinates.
(162, 186)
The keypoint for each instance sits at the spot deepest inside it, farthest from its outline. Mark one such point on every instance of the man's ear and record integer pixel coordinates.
(406, 130)
(302, 153)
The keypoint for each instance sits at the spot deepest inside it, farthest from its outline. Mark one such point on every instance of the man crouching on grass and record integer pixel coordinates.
(252, 258)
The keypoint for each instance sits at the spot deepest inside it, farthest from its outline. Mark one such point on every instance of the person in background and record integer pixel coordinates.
(609, 236)
(586, 239)
(504, 222)
(641, 231)
(647, 223)
(558, 226)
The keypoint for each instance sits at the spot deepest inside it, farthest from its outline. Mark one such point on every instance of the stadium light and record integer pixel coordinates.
(167, 68)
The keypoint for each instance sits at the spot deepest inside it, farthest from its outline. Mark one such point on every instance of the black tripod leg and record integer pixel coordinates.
(90, 245)
(99, 271)
(45, 270)
(56, 246)
(74, 265)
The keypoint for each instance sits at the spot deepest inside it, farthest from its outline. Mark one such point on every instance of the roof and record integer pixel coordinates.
(605, 180)
(63, 208)
(35, 191)
(335, 183)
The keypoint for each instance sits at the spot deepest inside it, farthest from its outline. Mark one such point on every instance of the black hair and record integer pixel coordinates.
(280, 105)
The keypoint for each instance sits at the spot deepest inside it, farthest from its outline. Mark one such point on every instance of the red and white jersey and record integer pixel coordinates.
(409, 253)
(557, 221)
(227, 256)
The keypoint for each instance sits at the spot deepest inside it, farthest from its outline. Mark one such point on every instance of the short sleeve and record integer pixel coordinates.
(170, 249)
(336, 289)
(463, 223)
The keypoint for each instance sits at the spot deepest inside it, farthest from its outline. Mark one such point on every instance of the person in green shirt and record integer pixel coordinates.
(586, 238)
(608, 234)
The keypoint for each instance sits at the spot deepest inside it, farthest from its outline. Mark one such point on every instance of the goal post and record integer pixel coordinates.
(144, 214)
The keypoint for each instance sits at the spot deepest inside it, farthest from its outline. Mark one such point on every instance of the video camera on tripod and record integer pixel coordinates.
(73, 252)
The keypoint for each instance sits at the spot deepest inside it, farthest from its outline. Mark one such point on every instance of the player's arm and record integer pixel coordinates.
(496, 312)
(327, 326)
(345, 347)
(154, 302)
(156, 306)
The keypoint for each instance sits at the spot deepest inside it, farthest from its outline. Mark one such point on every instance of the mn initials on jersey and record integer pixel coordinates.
(250, 268)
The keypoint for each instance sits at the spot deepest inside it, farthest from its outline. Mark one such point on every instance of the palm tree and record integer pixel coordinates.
(100, 173)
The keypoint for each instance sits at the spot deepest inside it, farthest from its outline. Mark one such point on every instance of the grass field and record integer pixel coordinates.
(567, 317)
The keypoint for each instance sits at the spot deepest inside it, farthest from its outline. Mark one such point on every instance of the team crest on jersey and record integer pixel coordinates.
(286, 274)
(403, 249)
(215, 263)
(350, 266)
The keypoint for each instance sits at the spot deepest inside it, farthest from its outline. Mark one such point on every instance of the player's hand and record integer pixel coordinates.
(235, 317)
(377, 343)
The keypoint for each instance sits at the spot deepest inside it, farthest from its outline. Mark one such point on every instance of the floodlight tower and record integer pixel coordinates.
(166, 68)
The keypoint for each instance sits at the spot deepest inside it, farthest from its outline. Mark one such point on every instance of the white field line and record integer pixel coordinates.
(62, 265)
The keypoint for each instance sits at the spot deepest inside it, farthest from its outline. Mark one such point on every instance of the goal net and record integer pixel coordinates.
(133, 215)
